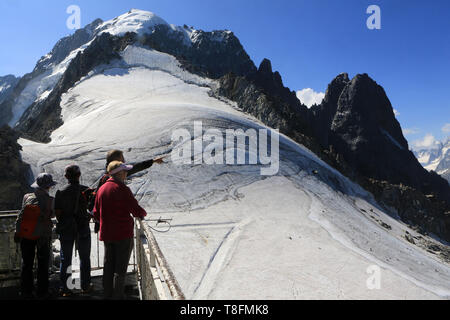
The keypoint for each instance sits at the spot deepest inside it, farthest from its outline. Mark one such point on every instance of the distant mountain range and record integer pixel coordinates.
(436, 158)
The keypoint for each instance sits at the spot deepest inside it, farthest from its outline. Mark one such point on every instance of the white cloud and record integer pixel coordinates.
(410, 131)
(309, 97)
(446, 128)
(396, 113)
(427, 142)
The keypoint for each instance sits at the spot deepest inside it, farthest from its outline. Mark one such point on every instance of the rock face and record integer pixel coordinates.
(211, 54)
(67, 44)
(60, 51)
(42, 117)
(15, 176)
(357, 125)
(7, 84)
(364, 130)
(322, 115)
(262, 94)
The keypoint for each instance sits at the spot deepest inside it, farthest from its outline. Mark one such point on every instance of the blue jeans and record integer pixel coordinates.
(84, 251)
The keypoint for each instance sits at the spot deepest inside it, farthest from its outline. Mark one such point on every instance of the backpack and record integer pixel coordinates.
(33, 219)
(89, 194)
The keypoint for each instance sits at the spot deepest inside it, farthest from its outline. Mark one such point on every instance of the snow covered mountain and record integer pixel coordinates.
(436, 158)
(7, 84)
(307, 232)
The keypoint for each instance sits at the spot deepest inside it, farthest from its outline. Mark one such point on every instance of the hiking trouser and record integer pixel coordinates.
(29, 248)
(84, 251)
(117, 256)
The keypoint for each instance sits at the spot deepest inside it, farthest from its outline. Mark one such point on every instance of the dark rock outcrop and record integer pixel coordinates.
(357, 128)
(15, 176)
(263, 95)
(212, 54)
(365, 132)
(67, 44)
(7, 85)
(322, 115)
(423, 212)
(43, 117)
(59, 52)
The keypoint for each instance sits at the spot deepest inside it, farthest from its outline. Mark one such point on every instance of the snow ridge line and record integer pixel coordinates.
(220, 258)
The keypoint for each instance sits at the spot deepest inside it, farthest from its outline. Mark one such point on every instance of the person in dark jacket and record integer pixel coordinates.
(73, 227)
(117, 155)
(113, 205)
(40, 240)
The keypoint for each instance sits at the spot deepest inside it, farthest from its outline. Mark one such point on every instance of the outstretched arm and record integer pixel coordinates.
(141, 166)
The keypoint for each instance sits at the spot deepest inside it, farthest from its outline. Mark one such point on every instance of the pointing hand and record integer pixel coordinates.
(159, 160)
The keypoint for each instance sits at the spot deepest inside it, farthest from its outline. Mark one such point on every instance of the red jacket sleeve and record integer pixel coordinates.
(135, 209)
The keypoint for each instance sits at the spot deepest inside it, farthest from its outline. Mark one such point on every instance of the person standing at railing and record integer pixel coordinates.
(73, 227)
(117, 155)
(114, 207)
(34, 232)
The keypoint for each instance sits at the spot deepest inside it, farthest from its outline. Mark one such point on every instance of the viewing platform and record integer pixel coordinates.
(148, 277)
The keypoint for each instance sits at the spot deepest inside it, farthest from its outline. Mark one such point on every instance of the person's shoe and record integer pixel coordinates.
(65, 293)
(87, 290)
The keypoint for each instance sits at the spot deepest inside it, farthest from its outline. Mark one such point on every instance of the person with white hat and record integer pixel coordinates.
(34, 232)
(114, 207)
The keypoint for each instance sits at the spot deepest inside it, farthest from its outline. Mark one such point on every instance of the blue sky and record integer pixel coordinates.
(308, 42)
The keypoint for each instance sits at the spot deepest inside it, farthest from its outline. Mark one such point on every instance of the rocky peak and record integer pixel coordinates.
(366, 133)
(364, 104)
(67, 44)
(322, 115)
(335, 88)
(265, 68)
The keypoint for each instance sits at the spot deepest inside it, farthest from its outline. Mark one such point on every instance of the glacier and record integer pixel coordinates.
(306, 233)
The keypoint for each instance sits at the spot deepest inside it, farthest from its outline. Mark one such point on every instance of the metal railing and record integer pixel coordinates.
(10, 258)
(155, 278)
